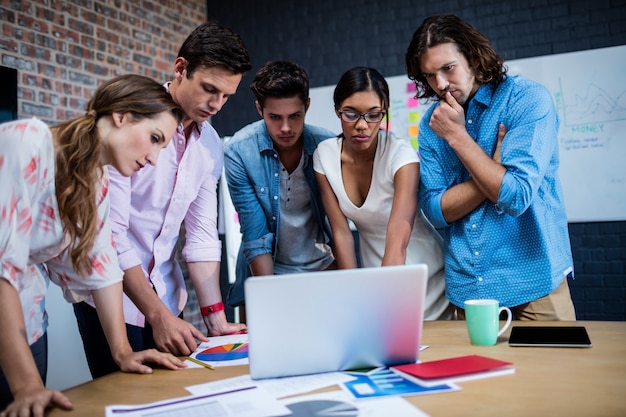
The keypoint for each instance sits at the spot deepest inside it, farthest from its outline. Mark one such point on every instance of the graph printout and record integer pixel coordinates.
(229, 350)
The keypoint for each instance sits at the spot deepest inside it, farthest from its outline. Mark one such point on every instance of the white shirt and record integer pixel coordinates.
(372, 216)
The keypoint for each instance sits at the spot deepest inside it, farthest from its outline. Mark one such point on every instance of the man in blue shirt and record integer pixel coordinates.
(269, 171)
(501, 209)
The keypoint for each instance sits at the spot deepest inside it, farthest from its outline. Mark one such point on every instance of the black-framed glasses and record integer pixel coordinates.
(354, 117)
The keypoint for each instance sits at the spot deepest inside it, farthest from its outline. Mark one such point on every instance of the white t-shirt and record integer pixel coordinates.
(372, 216)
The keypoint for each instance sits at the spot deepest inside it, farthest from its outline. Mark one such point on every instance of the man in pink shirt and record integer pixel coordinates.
(147, 211)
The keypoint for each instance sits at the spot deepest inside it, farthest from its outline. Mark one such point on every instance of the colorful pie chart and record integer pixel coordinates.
(229, 352)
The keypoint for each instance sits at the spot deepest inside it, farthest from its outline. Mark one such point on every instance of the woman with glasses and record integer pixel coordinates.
(371, 177)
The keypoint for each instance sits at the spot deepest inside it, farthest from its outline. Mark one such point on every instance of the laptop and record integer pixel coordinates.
(337, 320)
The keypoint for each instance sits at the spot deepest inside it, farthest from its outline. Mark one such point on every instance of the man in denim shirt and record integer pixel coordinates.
(501, 211)
(269, 170)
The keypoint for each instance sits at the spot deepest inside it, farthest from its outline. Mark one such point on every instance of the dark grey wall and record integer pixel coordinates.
(328, 37)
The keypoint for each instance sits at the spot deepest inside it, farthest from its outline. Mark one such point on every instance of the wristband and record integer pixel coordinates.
(214, 308)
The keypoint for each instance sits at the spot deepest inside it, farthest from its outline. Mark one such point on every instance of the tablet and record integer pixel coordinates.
(549, 336)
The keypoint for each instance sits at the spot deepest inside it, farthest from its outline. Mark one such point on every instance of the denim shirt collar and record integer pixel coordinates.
(264, 142)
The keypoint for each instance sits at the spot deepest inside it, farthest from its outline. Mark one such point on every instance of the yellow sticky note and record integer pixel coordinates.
(413, 131)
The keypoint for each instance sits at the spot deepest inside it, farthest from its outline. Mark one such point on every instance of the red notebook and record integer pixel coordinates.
(452, 367)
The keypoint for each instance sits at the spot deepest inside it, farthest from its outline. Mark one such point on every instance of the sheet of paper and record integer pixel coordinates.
(338, 403)
(276, 387)
(283, 387)
(227, 384)
(244, 402)
(231, 350)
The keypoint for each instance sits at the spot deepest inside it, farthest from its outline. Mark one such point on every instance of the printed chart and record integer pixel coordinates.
(382, 382)
(222, 351)
(323, 408)
(229, 352)
(339, 404)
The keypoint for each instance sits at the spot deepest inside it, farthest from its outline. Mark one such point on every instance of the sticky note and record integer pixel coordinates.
(412, 102)
(413, 131)
(414, 117)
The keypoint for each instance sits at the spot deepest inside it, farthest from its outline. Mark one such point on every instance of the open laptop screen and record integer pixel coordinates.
(334, 320)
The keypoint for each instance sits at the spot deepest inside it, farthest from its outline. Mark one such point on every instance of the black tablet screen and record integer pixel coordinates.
(558, 336)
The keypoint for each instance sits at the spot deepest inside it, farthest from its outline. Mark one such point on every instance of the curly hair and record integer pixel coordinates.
(488, 66)
(78, 153)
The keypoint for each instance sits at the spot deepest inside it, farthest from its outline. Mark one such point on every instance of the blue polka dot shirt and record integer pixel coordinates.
(518, 249)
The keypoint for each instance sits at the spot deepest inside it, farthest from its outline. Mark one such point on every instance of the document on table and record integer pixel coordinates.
(231, 350)
(276, 387)
(337, 403)
(383, 382)
(244, 402)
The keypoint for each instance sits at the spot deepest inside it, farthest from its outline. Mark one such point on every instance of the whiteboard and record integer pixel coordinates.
(589, 90)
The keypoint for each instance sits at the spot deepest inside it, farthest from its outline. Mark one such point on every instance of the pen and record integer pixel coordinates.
(196, 361)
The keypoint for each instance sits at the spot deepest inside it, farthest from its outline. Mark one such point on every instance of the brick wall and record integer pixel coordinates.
(64, 49)
(327, 37)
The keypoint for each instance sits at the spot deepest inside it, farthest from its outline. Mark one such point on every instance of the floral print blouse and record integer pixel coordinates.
(33, 245)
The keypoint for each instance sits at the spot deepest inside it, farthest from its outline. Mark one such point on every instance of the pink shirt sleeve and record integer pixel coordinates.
(120, 195)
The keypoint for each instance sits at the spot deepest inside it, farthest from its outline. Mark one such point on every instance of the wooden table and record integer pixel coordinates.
(547, 381)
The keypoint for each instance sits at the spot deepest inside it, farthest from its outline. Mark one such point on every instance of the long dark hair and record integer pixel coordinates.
(78, 152)
(488, 66)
